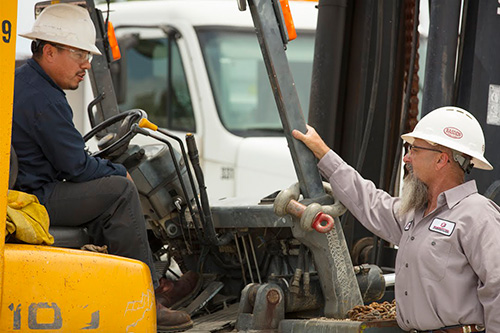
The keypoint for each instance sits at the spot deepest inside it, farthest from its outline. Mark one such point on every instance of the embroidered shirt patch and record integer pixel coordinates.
(442, 226)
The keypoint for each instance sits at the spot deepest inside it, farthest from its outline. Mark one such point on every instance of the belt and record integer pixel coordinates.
(454, 329)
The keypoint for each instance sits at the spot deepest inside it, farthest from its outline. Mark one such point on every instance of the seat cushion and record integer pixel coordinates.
(69, 237)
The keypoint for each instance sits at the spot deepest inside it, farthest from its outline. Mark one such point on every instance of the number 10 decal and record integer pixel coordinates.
(56, 322)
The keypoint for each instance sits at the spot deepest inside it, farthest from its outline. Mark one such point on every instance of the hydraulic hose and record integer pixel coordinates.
(374, 91)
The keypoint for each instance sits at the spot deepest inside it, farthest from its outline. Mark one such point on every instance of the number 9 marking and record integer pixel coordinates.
(6, 29)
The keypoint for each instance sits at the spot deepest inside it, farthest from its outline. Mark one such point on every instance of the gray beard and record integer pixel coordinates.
(414, 194)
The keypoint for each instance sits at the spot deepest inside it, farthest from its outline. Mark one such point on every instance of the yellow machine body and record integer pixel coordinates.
(65, 290)
(61, 290)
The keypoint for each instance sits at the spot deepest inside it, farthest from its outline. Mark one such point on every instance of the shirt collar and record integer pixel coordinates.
(33, 64)
(453, 196)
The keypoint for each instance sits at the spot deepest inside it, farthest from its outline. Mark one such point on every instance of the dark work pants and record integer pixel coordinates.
(110, 208)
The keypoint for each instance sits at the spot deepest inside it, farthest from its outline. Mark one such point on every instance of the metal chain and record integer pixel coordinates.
(374, 311)
(413, 109)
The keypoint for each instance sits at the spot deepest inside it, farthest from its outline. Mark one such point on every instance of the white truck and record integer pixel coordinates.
(196, 66)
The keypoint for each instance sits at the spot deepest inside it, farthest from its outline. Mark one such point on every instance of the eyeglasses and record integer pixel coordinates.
(79, 55)
(413, 147)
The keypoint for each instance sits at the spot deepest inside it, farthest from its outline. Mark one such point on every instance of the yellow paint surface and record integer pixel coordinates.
(8, 20)
(61, 290)
(44, 289)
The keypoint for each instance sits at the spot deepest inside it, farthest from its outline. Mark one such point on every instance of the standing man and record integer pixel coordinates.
(447, 266)
(76, 189)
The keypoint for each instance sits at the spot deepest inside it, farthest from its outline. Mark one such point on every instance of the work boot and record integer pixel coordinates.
(171, 321)
(173, 294)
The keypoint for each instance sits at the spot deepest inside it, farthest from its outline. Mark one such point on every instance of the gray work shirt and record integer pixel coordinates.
(448, 262)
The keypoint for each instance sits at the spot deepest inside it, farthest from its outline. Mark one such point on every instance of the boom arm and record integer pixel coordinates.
(330, 250)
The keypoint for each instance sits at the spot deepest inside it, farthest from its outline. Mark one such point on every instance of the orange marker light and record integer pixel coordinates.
(113, 43)
(287, 15)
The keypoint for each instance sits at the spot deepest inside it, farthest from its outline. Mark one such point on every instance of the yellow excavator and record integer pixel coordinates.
(54, 289)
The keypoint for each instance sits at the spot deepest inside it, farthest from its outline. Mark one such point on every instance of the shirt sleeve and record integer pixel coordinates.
(374, 208)
(64, 146)
(481, 246)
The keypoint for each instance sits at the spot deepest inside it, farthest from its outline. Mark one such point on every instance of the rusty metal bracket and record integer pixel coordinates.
(262, 307)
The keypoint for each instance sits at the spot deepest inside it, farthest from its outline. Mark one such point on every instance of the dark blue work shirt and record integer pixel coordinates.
(49, 147)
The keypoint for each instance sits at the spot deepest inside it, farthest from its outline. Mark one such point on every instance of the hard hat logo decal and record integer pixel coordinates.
(453, 132)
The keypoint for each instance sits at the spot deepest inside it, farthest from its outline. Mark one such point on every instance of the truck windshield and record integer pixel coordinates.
(240, 83)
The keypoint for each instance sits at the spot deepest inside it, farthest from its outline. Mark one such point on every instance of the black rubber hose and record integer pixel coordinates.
(374, 91)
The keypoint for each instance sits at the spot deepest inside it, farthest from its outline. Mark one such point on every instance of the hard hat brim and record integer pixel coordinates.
(479, 161)
(36, 35)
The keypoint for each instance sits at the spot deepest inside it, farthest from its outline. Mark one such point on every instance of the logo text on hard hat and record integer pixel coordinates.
(453, 132)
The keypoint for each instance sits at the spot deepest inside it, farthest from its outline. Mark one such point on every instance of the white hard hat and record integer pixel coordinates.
(454, 128)
(65, 24)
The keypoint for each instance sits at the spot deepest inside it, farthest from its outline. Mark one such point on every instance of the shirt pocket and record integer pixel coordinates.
(434, 257)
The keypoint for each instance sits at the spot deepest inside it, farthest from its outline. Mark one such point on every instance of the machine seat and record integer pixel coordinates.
(69, 237)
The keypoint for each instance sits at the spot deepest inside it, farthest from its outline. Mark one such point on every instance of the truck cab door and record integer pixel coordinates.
(151, 76)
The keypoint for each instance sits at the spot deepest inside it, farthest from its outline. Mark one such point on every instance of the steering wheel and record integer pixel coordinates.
(112, 142)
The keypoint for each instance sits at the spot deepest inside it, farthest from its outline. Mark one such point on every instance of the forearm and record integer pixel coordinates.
(374, 208)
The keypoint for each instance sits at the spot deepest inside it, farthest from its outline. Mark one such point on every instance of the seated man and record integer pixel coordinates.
(77, 189)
